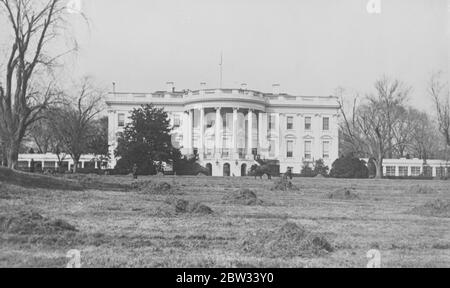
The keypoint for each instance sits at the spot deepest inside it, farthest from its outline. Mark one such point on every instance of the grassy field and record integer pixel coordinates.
(118, 223)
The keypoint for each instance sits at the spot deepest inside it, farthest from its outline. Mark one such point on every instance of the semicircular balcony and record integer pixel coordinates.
(224, 98)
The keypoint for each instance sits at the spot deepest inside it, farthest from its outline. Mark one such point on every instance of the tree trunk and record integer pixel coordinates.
(12, 154)
(379, 166)
(75, 166)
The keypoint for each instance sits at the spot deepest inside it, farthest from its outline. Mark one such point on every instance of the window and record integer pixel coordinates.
(290, 123)
(121, 120)
(176, 121)
(271, 122)
(415, 171)
(326, 124)
(290, 149)
(403, 171)
(308, 146)
(390, 171)
(308, 123)
(428, 171)
(326, 149)
(440, 172)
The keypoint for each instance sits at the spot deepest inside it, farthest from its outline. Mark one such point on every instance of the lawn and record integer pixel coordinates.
(116, 222)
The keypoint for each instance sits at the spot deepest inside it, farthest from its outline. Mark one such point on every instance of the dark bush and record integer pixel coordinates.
(189, 167)
(349, 167)
(307, 171)
(145, 168)
(320, 168)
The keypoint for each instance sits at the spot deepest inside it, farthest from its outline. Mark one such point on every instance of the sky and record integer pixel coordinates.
(310, 47)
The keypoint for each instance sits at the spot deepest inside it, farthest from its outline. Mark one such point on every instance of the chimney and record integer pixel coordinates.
(170, 87)
(203, 86)
(276, 89)
(244, 86)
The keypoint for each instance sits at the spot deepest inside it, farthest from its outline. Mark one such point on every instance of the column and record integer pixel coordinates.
(202, 134)
(190, 132)
(185, 132)
(282, 144)
(260, 133)
(218, 129)
(250, 134)
(235, 132)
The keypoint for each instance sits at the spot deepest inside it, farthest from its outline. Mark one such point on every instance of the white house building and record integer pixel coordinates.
(227, 128)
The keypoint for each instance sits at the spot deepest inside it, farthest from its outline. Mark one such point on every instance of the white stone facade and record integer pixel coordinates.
(290, 129)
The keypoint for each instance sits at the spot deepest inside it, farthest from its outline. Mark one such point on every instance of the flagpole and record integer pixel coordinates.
(221, 70)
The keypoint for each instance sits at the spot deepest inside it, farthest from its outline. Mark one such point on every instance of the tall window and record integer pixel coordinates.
(308, 146)
(415, 171)
(326, 149)
(390, 171)
(271, 122)
(290, 149)
(403, 171)
(326, 124)
(290, 123)
(176, 121)
(121, 120)
(308, 123)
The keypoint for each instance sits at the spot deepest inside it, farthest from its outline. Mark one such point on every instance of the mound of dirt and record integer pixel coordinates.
(29, 180)
(157, 188)
(32, 223)
(290, 240)
(344, 194)
(283, 184)
(199, 208)
(436, 208)
(175, 206)
(242, 197)
(421, 189)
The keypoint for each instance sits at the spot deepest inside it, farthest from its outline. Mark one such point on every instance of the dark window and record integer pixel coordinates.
(290, 123)
(308, 123)
(121, 120)
(326, 124)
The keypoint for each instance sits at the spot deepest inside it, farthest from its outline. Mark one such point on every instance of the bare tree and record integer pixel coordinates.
(369, 128)
(440, 95)
(73, 122)
(34, 24)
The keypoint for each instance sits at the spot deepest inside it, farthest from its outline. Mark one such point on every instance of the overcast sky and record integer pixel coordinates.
(310, 47)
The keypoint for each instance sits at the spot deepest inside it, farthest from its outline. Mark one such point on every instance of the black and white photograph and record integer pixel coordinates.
(228, 134)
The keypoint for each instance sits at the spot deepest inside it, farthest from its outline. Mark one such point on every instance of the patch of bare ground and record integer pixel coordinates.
(344, 194)
(244, 197)
(435, 208)
(291, 240)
